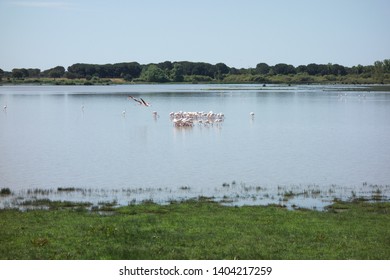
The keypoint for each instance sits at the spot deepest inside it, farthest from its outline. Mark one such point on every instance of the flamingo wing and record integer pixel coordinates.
(136, 100)
(145, 103)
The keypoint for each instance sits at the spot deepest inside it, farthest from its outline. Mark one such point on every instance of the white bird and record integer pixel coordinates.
(124, 113)
(252, 114)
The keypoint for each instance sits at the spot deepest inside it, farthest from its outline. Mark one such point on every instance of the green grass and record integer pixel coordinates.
(198, 229)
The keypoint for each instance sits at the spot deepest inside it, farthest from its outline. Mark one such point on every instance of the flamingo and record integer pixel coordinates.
(145, 103)
(140, 101)
(135, 99)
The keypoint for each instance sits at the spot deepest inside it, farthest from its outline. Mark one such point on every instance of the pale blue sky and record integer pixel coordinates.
(241, 33)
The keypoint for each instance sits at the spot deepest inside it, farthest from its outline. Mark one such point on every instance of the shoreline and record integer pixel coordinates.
(343, 87)
(281, 80)
(311, 197)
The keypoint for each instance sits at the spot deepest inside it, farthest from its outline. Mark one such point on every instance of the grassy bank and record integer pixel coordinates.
(197, 229)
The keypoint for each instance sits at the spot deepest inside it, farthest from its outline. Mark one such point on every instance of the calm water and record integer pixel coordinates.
(322, 139)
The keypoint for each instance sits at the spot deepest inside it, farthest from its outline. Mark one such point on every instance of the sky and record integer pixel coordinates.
(47, 33)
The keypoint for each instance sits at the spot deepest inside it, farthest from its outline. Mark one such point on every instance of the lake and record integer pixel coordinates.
(304, 146)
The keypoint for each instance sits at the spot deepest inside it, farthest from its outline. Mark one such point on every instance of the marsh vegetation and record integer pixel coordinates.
(229, 194)
(197, 229)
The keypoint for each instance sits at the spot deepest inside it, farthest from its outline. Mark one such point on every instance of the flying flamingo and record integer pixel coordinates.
(140, 101)
(145, 103)
(136, 100)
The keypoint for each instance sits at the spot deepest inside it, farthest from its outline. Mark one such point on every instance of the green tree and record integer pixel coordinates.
(203, 69)
(1, 74)
(166, 65)
(336, 69)
(153, 74)
(56, 72)
(284, 69)
(33, 73)
(177, 73)
(378, 71)
(358, 69)
(301, 69)
(19, 73)
(262, 68)
(234, 71)
(132, 69)
(386, 65)
(221, 69)
(313, 69)
(78, 70)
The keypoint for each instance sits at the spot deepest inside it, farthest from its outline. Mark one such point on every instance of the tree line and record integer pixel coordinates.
(185, 71)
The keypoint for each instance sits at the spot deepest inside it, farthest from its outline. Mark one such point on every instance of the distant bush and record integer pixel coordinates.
(303, 78)
(197, 78)
(260, 79)
(238, 78)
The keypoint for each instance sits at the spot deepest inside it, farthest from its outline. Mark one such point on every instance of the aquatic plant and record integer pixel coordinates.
(53, 204)
(377, 195)
(108, 204)
(70, 189)
(289, 194)
(5, 191)
(39, 191)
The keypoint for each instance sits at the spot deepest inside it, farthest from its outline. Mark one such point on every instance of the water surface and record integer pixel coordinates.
(315, 139)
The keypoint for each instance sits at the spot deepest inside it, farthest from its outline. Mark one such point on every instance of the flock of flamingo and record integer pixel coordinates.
(188, 119)
(180, 118)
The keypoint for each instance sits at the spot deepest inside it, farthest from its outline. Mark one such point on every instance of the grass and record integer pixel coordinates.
(198, 229)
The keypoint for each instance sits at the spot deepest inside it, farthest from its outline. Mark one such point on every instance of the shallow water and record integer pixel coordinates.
(301, 138)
